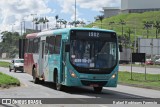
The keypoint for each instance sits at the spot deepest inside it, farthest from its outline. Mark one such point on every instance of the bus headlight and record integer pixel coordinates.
(72, 74)
(113, 76)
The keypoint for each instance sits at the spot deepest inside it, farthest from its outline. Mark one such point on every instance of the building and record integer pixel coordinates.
(110, 11)
(132, 6)
(139, 6)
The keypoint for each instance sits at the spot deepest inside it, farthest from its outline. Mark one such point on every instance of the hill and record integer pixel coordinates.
(132, 24)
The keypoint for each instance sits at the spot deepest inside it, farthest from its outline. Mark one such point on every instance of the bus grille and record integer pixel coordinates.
(89, 83)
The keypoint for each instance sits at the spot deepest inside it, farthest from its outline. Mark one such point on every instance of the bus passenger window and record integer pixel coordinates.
(58, 44)
(51, 44)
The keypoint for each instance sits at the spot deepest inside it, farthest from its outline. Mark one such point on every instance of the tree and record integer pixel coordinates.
(101, 17)
(157, 26)
(65, 23)
(70, 23)
(36, 22)
(41, 21)
(46, 20)
(60, 21)
(129, 32)
(111, 23)
(10, 44)
(82, 23)
(147, 26)
(122, 22)
(56, 17)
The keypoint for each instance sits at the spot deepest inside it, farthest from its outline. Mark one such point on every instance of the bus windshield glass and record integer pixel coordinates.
(93, 52)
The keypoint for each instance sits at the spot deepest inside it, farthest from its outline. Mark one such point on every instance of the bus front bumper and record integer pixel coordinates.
(111, 82)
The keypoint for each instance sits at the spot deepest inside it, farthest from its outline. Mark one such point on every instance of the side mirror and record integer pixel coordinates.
(67, 48)
(12, 61)
(120, 48)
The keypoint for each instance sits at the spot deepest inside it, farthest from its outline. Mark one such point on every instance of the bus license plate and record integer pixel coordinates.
(94, 85)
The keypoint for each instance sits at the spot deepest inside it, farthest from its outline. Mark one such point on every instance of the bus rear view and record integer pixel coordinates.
(92, 59)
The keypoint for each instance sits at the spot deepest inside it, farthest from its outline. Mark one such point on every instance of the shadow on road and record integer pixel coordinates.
(88, 91)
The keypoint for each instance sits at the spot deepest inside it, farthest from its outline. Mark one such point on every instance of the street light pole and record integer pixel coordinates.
(33, 19)
(75, 12)
(24, 26)
(12, 28)
(21, 28)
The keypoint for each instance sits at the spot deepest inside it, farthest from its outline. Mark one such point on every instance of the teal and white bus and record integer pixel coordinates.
(73, 57)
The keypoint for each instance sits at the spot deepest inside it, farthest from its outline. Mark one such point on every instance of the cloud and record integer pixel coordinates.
(13, 11)
(96, 5)
(68, 6)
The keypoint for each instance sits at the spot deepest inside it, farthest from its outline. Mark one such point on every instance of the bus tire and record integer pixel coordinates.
(97, 89)
(35, 79)
(58, 86)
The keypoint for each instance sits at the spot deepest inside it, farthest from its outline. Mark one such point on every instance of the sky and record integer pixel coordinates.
(13, 12)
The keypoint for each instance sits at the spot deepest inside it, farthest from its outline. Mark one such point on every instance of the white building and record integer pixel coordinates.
(110, 11)
(133, 6)
(139, 6)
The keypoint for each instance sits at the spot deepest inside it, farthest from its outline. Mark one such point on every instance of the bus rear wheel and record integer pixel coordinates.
(35, 79)
(97, 89)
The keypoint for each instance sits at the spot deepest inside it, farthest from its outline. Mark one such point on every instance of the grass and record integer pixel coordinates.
(7, 81)
(133, 21)
(138, 79)
(4, 64)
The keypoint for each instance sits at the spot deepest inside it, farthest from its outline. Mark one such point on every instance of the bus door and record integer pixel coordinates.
(63, 54)
(41, 56)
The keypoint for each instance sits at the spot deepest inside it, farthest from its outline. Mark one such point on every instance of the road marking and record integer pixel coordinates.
(102, 106)
(82, 100)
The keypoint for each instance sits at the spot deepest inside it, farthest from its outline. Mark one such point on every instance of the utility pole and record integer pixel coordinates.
(75, 12)
(12, 28)
(23, 24)
(135, 39)
(21, 28)
(33, 19)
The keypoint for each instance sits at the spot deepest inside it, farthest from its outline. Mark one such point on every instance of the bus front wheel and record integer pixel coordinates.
(97, 89)
(58, 86)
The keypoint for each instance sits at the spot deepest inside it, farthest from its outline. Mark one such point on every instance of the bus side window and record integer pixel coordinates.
(26, 46)
(30, 50)
(35, 45)
(58, 44)
(47, 45)
(51, 44)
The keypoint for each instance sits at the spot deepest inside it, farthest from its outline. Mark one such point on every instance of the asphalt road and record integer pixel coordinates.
(126, 68)
(30, 90)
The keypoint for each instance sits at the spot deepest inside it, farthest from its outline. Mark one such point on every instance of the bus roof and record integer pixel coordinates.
(66, 30)
(31, 35)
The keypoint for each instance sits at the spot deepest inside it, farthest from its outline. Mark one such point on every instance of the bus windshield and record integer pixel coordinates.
(93, 53)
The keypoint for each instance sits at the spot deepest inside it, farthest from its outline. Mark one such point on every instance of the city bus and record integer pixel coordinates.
(73, 57)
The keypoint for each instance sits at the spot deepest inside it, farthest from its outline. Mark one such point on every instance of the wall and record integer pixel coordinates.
(139, 4)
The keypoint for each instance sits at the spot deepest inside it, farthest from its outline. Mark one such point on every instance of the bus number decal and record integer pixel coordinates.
(93, 34)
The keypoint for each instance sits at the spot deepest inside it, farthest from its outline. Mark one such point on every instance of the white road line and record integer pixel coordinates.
(102, 105)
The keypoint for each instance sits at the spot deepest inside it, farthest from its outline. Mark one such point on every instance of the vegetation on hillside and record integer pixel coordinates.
(145, 25)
